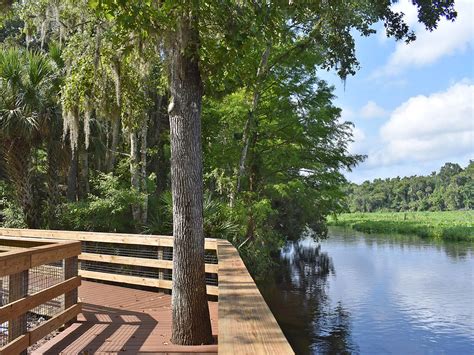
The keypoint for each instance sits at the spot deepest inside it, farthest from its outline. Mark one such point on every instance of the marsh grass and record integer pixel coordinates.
(447, 225)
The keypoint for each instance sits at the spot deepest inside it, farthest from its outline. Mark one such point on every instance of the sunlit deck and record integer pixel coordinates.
(47, 278)
(124, 320)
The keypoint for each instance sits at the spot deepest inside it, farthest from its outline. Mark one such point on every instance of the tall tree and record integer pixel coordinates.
(191, 322)
(212, 46)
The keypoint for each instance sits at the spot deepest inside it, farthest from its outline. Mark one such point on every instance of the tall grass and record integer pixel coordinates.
(448, 225)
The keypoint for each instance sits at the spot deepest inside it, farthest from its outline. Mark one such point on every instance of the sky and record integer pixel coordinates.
(412, 105)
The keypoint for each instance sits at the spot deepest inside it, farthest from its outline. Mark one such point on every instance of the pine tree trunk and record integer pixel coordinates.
(190, 312)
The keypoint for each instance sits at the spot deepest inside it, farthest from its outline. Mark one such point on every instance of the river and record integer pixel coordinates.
(374, 294)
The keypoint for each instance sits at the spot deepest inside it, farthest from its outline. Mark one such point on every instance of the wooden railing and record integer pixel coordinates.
(118, 257)
(246, 324)
(34, 274)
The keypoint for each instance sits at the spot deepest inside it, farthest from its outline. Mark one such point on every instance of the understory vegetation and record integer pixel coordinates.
(448, 225)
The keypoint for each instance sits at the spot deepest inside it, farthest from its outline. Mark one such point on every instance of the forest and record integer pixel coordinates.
(85, 119)
(450, 189)
(85, 129)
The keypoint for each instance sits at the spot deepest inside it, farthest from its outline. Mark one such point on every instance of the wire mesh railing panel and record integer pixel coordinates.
(139, 251)
(210, 257)
(39, 278)
(131, 250)
(4, 287)
(128, 270)
(138, 271)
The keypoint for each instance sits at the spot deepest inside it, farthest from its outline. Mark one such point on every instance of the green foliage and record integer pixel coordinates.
(452, 225)
(449, 190)
(218, 219)
(106, 209)
(11, 215)
(274, 147)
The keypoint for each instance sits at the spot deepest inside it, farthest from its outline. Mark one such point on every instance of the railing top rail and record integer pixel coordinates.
(21, 259)
(101, 237)
(246, 324)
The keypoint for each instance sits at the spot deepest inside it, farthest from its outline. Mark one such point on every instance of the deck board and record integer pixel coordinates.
(122, 320)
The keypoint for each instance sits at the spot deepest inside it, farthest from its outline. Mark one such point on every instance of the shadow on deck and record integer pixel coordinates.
(122, 320)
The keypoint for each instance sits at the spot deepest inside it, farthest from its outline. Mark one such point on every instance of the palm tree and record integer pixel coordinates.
(26, 103)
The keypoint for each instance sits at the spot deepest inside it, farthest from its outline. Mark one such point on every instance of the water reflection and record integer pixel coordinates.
(356, 293)
(299, 291)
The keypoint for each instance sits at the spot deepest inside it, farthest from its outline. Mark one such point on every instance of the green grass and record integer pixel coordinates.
(449, 225)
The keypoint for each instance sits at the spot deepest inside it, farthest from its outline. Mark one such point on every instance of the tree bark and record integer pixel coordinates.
(17, 155)
(250, 124)
(143, 174)
(112, 153)
(53, 180)
(84, 187)
(72, 178)
(190, 313)
(159, 126)
(135, 173)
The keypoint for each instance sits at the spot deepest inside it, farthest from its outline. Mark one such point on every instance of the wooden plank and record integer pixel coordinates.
(120, 238)
(16, 346)
(14, 261)
(54, 323)
(246, 324)
(127, 260)
(34, 240)
(136, 280)
(17, 289)
(123, 320)
(27, 303)
(22, 242)
(50, 253)
(70, 271)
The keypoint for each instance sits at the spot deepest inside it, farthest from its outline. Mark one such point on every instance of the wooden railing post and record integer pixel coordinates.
(70, 298)
(18, 288)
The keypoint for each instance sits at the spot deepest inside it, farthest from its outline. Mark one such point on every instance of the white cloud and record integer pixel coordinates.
(426, 128)
(372, 110)
(358, 145)
(449, 38)
(346, 114)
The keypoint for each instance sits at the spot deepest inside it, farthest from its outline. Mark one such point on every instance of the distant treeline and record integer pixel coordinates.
(452, 188)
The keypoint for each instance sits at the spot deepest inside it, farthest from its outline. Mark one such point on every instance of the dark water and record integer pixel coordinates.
(356, 293)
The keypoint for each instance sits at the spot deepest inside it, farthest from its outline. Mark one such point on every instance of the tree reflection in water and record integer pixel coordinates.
(297, 295)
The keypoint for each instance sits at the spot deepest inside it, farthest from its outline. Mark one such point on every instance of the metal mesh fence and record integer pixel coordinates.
(32, 281)
(139, 271)
(139, 251)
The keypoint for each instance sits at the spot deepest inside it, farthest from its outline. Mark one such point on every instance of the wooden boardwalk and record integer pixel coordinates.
(122, 320)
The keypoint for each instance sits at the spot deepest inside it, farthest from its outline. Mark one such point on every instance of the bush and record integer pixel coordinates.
(11, 215)
(107, 209)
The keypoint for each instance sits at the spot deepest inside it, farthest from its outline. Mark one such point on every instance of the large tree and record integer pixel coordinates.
(214, 47)
(210, 37)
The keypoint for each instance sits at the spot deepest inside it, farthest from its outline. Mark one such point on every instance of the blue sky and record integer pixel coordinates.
(412, 105)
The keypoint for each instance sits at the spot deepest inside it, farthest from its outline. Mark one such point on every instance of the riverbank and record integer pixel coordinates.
(447, 225)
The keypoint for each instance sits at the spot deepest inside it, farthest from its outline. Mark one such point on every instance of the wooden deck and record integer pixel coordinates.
(122, 320)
